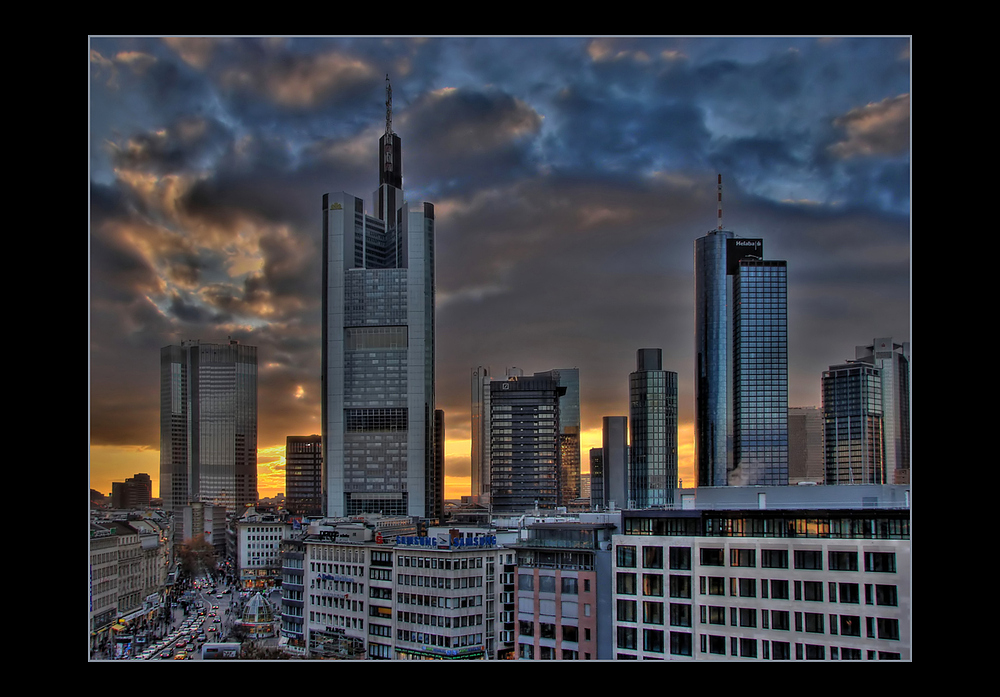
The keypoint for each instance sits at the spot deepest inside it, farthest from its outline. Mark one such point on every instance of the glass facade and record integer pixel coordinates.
(853, 424)
(712, 341)
(208, 425)
(378, 356)
(653, 429)
(760, 374)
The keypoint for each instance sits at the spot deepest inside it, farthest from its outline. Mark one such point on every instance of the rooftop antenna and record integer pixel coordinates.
(720, 197)
(388, 125)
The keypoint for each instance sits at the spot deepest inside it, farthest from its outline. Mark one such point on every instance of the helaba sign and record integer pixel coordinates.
(742, 248)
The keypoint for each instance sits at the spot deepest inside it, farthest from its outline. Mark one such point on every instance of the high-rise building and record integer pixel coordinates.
(653, 431)
(760, 374)
(615, 459)
(304, 475)
(893, 362)
(567, 430)
(853, 424)
(134, 492)
(378, 348)
(741, 370)
(208, 425)
(524, 443)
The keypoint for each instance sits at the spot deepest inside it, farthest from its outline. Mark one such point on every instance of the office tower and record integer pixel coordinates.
(568, 429)
(653, 431)
(569, 433)
(134, 492)
(741, 368)
(378, 348)
(853, 424)
(304, 475)
(435, 486)
(805, 445)
(760, 374)
(615, 456)
(597, 493)
(208, 425)
(893, 362)
(524, 443)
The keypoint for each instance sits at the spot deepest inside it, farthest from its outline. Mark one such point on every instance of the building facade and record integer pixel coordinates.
(741, 370)
(805, 445)
(853, 424)
(208, 425)
(760, 373)
(525, 454)
(893, 362)
(781, 577)
(258, 549)
(378, 349)
(304, 475)
(653, 431)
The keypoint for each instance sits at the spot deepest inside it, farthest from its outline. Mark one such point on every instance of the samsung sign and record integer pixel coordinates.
(742, 248)
(481, 541)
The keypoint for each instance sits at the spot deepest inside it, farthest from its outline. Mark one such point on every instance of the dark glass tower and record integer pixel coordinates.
(741, 354)
(378, 349)
(653, 428)
(853, 424)
(208, 425)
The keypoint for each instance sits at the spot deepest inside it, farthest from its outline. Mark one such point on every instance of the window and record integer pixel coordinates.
(715, 614)
(774, 558)
(779, 619)
(808, 559)
(546, 630)
(888, 628)
(815, 653)
(526, 628)
(652, 612)
(843, 561)
(652, 584)
(680, 558)
(626, 611)
(748, 588)
(547, 584)
(569, 586)
(850, 625)
(743, 557)
(680, 615)
(652, 640)
(850, 593)
(525, 582)
(626, 556)
(716, 585)
(779, 589)
(813, 622)
(627, 637)
(717, 644)
(886, 595)
(652, 557)
(880, 562)
(680, 643)
(812, 590)
(680, 587)
(748, 648)
(847, 654)
(626, 583)
(748, 617)
(712, 557)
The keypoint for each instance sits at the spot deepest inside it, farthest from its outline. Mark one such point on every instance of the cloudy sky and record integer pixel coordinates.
(570, 178)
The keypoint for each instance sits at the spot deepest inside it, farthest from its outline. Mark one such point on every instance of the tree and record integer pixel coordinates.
(196, 554)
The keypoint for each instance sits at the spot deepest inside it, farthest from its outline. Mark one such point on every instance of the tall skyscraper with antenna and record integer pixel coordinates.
(378, 397)
(741, 361)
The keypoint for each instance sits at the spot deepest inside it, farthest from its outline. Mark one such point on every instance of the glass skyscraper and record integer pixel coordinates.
(760, 374)
(741, 371)
(378, 350)
(208, 425)
(652, 471)
(853, 424)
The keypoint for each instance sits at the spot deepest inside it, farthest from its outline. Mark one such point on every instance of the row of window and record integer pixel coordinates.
(680, 558)
(547, 584)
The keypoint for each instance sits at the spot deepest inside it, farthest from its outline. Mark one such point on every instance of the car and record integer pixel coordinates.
(217, 620)
(180, 655)
(213, 629)
(202, 637)
(215, 607)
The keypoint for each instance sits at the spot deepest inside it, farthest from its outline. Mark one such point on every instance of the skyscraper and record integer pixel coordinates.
(208, 425)
(893, 362)
(569, 433)
(853, 424)
(304, 475)
(378, 347)
(524, 443)
(741, 371)
(652, 467)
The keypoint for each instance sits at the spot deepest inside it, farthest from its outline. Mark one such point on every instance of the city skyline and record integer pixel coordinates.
(570, 178)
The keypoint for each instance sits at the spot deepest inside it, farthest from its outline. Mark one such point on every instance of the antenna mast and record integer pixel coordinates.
(388, 106)
(387, 164)
(720, 197)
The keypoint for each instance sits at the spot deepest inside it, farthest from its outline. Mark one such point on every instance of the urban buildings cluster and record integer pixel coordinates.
(749, 564)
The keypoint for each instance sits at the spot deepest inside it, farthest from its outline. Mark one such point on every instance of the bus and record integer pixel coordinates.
(230, 650)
